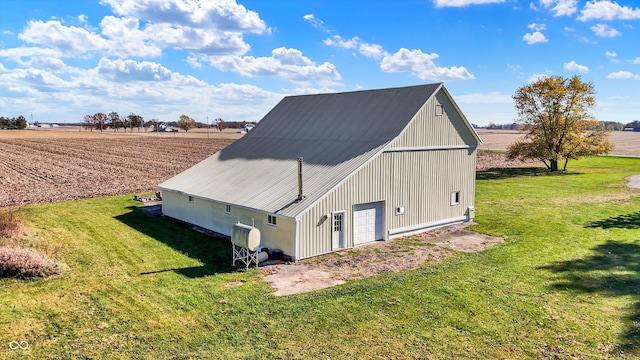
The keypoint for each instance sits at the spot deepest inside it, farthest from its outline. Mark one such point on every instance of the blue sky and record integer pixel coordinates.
(61, 60)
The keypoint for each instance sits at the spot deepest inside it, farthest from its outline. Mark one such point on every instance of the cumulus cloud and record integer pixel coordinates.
(422, 66)
(374, 51)
(573, 66)
(463, 3)
(559, 7)
(69, 40)
(603, 30)
(610, 54)
(607, 10)
(536, 36)
(289, 64)
(623, 75)
(636, 60)
(129, 70)
(222, 15)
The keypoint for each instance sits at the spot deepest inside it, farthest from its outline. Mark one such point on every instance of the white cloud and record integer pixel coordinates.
(603, 30)
(422, 66)
(493, 97)
(288, 64)
(559, 7)
(623, 75)
(610, 54)
(338, 41)
(128, 70)
(534, 38)
(607, 10)
(374, 51)
(462, 3)
(83, 18)
(573, 66)
(221, 15)
(536, 77)
(126, 40)
(69, 40)
(315, 22)
(636, 60)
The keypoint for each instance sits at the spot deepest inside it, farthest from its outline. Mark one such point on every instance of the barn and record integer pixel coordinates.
(326, 172)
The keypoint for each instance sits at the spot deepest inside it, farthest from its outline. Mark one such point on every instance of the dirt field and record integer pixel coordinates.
(626, 143)
(66, 163)
(50, 166)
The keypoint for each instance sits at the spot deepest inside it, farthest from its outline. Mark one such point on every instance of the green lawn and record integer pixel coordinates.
(565, 284)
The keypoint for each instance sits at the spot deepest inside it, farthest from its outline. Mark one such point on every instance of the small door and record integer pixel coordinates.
(337, 237)
(367, 223)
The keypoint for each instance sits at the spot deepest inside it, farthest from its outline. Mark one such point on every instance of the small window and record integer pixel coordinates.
(190, 198)
(455, 198)
(227, 209)
(439, 109)
(337, 221)
(399, 210)
(271, 220)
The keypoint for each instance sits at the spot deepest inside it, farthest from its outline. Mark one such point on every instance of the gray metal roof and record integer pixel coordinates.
(334, 133)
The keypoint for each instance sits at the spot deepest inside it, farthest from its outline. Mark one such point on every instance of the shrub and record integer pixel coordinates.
(10, 223)
(25, 263)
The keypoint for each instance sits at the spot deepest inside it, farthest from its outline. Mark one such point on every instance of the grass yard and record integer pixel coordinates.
(565, 284)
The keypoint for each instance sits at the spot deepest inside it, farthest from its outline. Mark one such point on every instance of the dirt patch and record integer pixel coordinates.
(634, 181)
(374, 258)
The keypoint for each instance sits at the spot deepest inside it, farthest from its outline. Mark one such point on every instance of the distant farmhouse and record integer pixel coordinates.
(374, 164)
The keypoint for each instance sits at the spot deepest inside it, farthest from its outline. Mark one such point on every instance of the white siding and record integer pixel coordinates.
(212, 216)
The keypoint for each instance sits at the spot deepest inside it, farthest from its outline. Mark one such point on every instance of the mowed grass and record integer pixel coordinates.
(565, 284)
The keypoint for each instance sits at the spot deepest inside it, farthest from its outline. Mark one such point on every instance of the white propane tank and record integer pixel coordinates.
(245, 236)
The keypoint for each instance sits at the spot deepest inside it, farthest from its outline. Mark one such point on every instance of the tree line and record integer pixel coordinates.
(13, 123)
(117, 122)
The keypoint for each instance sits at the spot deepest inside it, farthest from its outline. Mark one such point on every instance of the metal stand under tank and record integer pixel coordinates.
(245, 240)
(245, 255)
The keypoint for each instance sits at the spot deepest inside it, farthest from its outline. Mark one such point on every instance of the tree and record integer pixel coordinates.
(186, 123)
(220, 124)
(99, 121)
(114, 121)
(135, 121)
(553, 113)
(21, 122)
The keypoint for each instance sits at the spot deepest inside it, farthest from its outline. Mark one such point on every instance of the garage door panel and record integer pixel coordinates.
(368, 223)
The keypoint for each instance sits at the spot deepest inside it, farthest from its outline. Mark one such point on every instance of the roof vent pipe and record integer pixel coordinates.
(300, 195)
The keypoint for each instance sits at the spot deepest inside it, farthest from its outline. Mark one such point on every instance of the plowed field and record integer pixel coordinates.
(39, 170)
(39, 166)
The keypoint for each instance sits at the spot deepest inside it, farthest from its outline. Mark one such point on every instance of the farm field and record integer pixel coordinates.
(626, 143)
(49, 166)
(565, 284)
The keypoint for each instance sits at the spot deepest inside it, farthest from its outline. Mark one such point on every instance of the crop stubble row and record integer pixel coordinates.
(49, 170)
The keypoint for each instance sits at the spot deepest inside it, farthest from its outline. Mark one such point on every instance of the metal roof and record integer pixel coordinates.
(334, 133)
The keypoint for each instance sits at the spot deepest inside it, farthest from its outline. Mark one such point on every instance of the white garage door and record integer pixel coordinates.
(367, 223)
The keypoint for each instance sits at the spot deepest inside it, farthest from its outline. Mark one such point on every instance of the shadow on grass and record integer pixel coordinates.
(505, 173)
(627, 221)
(612, 270)
(213, 252)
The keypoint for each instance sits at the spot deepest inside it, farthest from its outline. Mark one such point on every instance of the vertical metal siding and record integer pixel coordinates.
(421, 181)
(424, 191)
(429, 129)
(212, 215)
